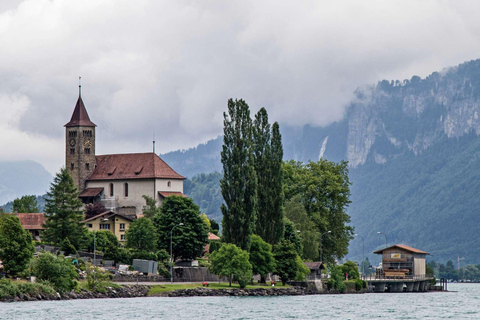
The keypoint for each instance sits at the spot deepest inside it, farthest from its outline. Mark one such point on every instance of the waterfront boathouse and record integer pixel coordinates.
(403, 269)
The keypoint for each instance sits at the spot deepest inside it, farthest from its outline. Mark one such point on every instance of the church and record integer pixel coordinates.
(118, 181)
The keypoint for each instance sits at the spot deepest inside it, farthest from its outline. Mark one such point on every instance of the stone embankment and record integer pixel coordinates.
(130, 291)
(199, 292)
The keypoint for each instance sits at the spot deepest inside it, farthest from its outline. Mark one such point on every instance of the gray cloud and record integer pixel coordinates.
(168, 67)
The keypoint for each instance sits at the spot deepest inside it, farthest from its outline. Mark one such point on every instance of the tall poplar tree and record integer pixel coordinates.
(239, 182)
(268, 156)
(64, 213)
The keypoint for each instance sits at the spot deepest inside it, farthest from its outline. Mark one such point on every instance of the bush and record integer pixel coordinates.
(336, 280)
(60, 272)
(12, 289)
(360, 284)
(350, 285)
(97, 280)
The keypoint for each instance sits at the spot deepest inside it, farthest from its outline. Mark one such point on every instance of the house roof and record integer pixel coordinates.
(32, 221)
(212, 236)
(107, 215)
(80, 116)
(168, 193)
(132, 166)
(90, 192)
(401, 246)
(314, 265)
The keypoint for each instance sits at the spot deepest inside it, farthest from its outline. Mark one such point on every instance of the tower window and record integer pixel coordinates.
(72, 134)
(87, 166)
(87, 133)
(72, 150)
(126, 189)
(169, 184)
(86, 151)
(111, 189)
(72, 166)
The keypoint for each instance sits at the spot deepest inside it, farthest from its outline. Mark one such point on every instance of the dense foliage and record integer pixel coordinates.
(57, 271)
(64, 213)
(268, 160)
(287, 262)
(232, 262)
(16, 245)
(239, 182)
(261, 257)
(141, 235)
(324, 190)
(25, 204)
(188, 240)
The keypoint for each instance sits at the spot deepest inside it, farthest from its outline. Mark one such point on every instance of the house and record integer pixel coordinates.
(111, 221)
(33, 223)
(118, 181)
(401, 261)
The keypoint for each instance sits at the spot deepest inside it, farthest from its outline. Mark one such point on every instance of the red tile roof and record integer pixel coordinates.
(404, 247)
(212, 236)
(80, 116)
(168, 193)
(90, 192)
(32, 221)
(132, 166)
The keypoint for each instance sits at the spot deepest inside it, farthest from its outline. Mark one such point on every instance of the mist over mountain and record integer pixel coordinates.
(19, 178)
(414, 152)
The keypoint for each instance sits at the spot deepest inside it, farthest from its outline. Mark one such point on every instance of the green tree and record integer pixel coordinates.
(189, 239)
(324, 188)
(215, 226)
(106, 242)
(286, 260)
(141, 235)
(206, 221)
(16, 245)
(150, 209)
(239, 182)
(26, 204)
(261, 257)
(268, 160)
(292, 234)
(60, 272)
(231, 261)
(64, 213)
(296, 213)
(351, 269)
(337, 278)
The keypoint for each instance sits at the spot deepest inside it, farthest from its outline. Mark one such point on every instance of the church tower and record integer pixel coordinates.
(80, 144)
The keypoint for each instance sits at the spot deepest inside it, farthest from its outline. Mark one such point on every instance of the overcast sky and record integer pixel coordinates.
(168, 67)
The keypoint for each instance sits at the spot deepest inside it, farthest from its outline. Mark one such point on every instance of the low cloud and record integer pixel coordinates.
(168, 67)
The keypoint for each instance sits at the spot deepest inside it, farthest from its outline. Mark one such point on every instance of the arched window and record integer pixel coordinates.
(126, 189)
(111, 189)
(169, 184)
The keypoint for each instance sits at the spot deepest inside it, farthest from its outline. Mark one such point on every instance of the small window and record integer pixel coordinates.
(111, 189)
(86, 150)
(122, 237)
(72, 166)
(169, 184)
(87, 166)
(72, 150)
(122, 226)
(126, 189)
(104, 226)
(89, 225)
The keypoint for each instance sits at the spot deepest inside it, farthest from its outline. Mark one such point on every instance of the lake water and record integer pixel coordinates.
(462, 302)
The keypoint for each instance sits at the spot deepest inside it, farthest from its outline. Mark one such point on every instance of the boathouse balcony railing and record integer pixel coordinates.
(406, 277)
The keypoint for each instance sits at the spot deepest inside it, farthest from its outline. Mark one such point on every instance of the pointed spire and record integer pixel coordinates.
(80, 116)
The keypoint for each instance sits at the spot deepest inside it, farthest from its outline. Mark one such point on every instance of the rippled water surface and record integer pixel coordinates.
(462, 302)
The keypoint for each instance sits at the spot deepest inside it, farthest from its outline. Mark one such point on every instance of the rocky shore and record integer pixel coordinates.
(125, 291)
(199, 292)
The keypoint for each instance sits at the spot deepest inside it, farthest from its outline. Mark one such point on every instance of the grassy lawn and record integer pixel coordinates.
(156, 289)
